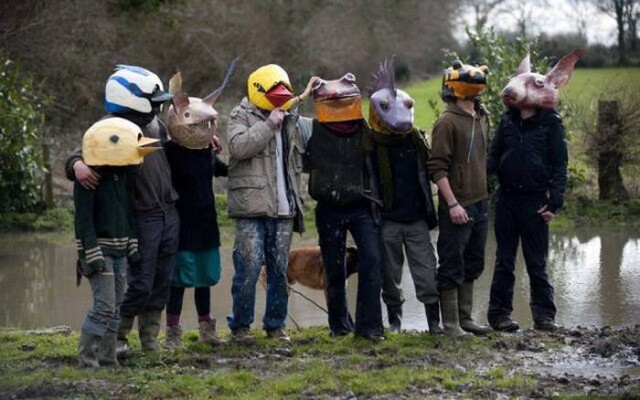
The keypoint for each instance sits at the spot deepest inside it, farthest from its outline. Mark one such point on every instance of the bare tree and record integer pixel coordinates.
(482, 10)
(579, 12)
(625, 12)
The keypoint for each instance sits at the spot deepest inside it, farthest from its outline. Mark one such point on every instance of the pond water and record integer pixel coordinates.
(596, 274)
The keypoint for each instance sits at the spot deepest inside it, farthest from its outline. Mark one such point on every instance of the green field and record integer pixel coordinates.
(586, 86)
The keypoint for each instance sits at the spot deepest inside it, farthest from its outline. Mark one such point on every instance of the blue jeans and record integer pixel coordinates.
(149, 281)
(517, 219)
(333, 225)
(260, 241)
(108, 289)
(461, 247)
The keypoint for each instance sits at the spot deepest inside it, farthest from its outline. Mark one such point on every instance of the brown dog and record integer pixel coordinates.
(306, 268)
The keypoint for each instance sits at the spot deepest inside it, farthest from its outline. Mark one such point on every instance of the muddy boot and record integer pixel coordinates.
(173, 337)
(207, 332)
(148, 329)
(449, 306)
(395, 319)
(107, 350)
(88, 351)
(125, 326)
(433, 318)
(465, 306)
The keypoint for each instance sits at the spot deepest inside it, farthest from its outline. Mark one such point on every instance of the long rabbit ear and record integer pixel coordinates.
(175, 83)
(231, 68)
(525, 65)
(560, 74)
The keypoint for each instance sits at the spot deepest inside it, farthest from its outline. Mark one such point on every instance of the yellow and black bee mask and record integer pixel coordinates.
(463, 81)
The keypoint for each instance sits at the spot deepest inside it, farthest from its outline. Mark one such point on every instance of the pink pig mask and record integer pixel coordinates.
(530, 90)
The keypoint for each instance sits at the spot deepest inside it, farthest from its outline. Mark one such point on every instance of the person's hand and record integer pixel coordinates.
(546, 215)
(458, 215)
(276, 116)
(216, 144)
(307, 91)
(86, 176)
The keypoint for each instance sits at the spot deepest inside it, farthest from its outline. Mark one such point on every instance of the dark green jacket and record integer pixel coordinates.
(103, 219)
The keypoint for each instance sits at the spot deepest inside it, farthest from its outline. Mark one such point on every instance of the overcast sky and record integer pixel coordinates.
(559, 17)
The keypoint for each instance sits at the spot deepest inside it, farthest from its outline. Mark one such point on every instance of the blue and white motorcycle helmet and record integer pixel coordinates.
(134, 89)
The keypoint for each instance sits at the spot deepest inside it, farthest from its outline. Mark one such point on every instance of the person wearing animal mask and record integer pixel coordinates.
(400, 154)
(192, 125)
(136, 94)
(341, 180)
(458, 167)
(266, 143)
(105, 236)
(529, 155)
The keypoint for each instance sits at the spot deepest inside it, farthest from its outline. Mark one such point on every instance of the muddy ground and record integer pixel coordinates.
(576, 362)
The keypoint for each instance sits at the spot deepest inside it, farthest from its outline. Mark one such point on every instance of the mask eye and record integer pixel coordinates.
(187, 114)
(384, 105)
(409, 104)
(539, 82)
(139, 136)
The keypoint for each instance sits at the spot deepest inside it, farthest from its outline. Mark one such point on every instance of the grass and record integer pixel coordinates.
(314, 364)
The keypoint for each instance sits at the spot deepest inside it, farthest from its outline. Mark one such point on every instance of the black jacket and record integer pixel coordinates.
(530, 156)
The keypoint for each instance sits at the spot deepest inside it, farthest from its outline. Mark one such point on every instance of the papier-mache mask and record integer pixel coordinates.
(391, 110)
(337, 100)
(192, 121)
(116, 142)
(532, 90)
(464, 81)
(269, 88)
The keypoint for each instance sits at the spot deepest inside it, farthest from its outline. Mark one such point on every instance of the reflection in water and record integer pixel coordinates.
(596, 277)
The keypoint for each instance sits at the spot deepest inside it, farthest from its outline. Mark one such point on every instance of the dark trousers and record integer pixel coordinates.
(517, 219)
(333, 224)
(149, 281)
(461, 247)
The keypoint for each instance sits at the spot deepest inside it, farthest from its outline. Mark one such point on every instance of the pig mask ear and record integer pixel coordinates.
(561, 72)
(525, 65)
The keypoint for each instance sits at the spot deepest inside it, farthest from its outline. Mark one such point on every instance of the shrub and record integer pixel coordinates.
(21, 120)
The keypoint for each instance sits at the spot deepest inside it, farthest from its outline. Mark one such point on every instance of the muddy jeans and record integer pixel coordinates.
(260, 241)
(414, 238)
(108, 290)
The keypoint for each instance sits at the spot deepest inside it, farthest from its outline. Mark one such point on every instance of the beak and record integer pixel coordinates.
(147, 146)
(160, 96)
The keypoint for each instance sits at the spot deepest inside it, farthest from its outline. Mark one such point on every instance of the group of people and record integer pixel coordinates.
(153, 227)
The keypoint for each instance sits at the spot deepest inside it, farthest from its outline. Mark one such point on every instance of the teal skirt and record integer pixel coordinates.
(197, 268)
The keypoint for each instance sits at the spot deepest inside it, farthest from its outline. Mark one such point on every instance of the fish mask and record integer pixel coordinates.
(192, 121)
(338, 100)
(531, 90)
(464, 81)
(116, 142)
(391, 110)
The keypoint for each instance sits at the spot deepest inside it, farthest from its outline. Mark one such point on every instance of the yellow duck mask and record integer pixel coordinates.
(269, 88)
(116, 142)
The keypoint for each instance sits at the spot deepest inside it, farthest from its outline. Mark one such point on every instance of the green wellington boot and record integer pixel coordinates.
(449, 307)
(465, 306)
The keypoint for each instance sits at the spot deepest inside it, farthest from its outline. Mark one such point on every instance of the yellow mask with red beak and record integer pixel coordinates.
(268, 88)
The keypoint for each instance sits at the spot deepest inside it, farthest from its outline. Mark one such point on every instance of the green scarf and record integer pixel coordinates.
(382, 142)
